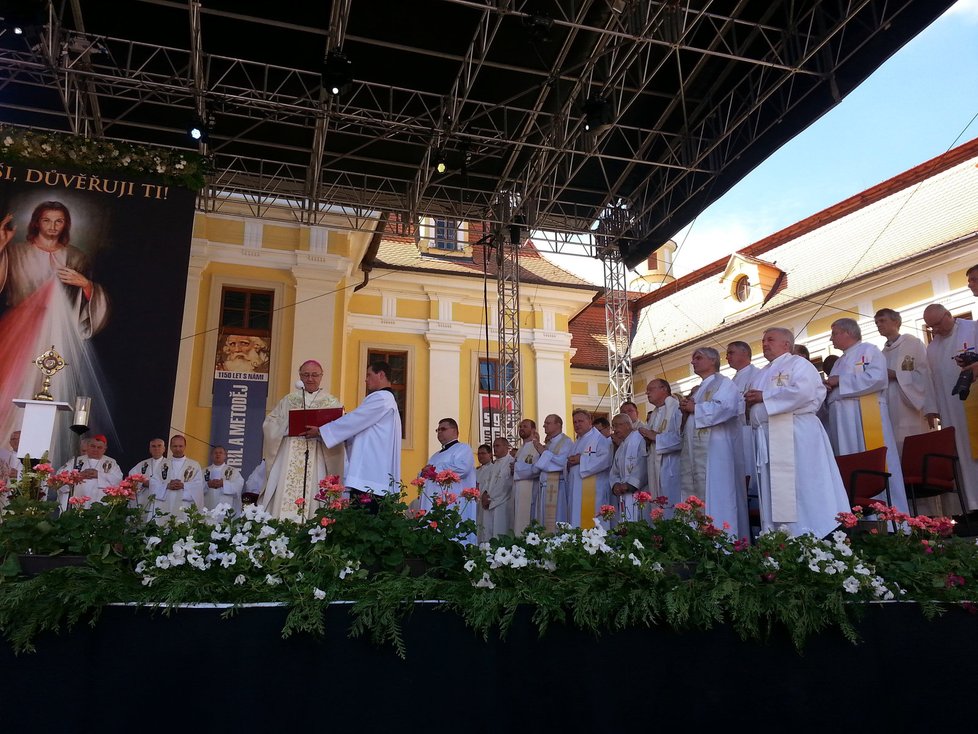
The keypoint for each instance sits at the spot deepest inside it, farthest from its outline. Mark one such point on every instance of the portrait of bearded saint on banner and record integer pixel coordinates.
(242, 353)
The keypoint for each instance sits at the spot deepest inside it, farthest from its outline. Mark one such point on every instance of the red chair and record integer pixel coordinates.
(864, 476)
(930, 467)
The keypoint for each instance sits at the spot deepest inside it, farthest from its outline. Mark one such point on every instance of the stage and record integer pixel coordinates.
(140, 669)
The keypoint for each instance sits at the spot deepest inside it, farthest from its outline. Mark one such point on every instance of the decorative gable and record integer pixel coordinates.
(749, 283)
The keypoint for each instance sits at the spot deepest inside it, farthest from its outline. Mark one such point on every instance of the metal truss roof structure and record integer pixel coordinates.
(568, 108)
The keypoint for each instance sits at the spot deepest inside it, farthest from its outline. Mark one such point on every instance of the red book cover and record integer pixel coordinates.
(299, 420)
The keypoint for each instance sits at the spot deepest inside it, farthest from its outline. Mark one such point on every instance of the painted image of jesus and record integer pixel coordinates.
(51, 299)
(35, 268)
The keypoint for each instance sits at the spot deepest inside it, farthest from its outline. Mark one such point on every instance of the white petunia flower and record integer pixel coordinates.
(532, 539)
(634, 559)
(148, 580)
(485, 582)
(272, 580)
(239, 579)
(152, 542)
(638, 545)
(319, 594)
(317, 534)
(851, 585)
(469, 565)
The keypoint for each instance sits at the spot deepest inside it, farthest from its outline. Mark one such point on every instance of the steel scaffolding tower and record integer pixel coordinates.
(509, 369)
(617, 315)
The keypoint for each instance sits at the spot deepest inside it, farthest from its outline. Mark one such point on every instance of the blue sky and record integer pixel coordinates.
(914, 107)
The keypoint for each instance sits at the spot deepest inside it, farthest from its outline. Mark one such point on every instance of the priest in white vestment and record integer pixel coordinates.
(98, 471)
(799, 483)
(665, 443)
(712, 458)
(372, 435)
(497, 493)
(953, 337)
(222, 483)
(9, 461)
(9, 465)
(910, 389)
(296, 464)
(551, 465)
(910, 395)
(588, 464)
(525, 477)
(859, 417)
(483, 468)
(150, 468)
(739, 357)
(181, 483)
(629, 468)
(630, 409)
(457, 457)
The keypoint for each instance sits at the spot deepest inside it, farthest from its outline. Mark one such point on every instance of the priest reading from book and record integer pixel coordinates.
(296, 463)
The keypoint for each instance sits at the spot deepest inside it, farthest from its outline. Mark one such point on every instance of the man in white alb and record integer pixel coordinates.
(800, 487)
(666, 443)
(372, 434)
(181, 483)
(739, 358)
(712, 459)
(525, 478)
(910, 389)
(497, 494)
(550, 467)
(859, 417)
(456, 456)
(151, 469)
(587, 486)
(222, 483)
(954, 337)
(629, 468)
(98, 471)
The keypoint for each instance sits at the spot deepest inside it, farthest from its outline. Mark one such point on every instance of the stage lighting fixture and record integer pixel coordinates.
(337, 73)
(441, 164)
(21, 16)
(198, 130)
(598, 114)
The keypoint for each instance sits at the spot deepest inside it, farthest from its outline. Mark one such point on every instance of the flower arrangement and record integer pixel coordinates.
(183, 168)
(604, 577)
(397, 534)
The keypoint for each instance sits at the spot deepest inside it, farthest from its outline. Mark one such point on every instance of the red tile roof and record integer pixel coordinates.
(402, 253)
(589, 337)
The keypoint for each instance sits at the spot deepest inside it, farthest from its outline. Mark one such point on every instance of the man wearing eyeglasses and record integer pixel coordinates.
(296, 464)
(456, 456)
(953, 338)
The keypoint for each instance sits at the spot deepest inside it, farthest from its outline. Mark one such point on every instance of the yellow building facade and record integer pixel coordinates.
(430, 309)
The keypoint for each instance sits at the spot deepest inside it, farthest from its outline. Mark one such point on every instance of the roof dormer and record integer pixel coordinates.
(749, 283)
